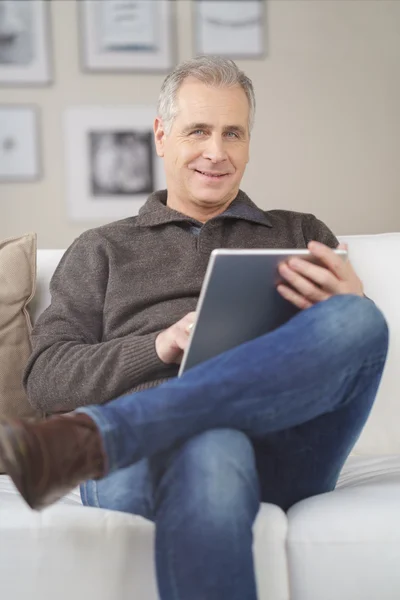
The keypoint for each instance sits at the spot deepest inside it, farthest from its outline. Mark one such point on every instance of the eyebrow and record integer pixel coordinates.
(194, 126)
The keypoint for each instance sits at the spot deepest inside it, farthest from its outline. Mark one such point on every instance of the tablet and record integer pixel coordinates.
(239, 301)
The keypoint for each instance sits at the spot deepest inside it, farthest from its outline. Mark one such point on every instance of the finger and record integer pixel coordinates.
(188, 328)
(331, 260)
(181, 339)
(318, 275)
(191, 315)
(188, 319)
(303, 286)
(293, 297)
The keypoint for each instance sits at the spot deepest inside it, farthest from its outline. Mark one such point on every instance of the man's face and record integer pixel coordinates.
(207, 149)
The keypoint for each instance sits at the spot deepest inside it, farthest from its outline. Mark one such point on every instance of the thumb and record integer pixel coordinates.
(343, 246)
(189, 327)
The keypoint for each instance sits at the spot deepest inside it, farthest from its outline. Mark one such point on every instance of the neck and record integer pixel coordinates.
(202, 212)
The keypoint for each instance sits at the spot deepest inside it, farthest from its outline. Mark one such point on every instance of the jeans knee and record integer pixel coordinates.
(213, 480)
(356, 322)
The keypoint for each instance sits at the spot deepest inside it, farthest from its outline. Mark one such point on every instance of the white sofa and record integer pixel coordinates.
(342, 545)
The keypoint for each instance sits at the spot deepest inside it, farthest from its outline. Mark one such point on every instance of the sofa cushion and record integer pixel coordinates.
(346, 543)
(73, 544)
(17, 286)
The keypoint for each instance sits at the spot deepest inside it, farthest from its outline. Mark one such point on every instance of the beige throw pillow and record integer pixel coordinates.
(17, 287)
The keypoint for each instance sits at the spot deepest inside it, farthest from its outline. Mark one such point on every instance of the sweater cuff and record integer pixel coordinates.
(140, 359)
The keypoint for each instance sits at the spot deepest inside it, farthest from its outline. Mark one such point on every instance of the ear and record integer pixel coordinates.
(159, 136)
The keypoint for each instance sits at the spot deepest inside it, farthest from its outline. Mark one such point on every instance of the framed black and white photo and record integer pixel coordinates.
(232, 28)
(111, 162)
(19, 145)
(127, 35)
(121, 162)
(24, 42)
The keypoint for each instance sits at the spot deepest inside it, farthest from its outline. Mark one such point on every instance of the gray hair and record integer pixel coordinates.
(211, 70)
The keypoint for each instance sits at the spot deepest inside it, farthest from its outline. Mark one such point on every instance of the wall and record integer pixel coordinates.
(327, 136)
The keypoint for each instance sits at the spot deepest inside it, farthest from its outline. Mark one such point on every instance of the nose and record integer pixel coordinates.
(214, 149)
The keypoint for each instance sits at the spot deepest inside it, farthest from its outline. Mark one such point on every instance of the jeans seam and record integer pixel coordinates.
(94, 493)
(171, 569)
(347, 372)
(85, 496)
(363, 367)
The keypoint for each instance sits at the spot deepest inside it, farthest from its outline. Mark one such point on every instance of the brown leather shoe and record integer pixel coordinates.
(48, 459)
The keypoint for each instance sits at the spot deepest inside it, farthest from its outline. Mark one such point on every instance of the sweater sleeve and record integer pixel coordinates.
(70, 365)
(316, 230)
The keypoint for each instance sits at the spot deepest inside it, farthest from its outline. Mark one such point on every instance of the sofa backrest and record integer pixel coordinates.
(375, 260)
(47, 261)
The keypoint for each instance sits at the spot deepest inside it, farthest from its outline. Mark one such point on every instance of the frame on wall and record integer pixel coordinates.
(127, 35)
(20, 159)
(25, 43)
(111, 162)
(230, 28)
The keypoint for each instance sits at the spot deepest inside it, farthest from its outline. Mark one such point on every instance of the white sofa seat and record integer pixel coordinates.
(93, 553)
(345, 544)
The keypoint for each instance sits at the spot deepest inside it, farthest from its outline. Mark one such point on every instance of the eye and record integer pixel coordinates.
(232, 134)
(198, 132)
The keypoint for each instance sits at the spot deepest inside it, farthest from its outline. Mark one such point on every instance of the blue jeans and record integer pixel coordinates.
(272, 420)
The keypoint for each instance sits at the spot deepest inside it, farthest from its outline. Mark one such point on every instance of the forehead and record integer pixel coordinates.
(198, 101)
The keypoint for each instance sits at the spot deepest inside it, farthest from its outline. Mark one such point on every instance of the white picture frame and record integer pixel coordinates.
(111, 162)
(19, 144)
(25, 43)
(231, 28)
(127, 35)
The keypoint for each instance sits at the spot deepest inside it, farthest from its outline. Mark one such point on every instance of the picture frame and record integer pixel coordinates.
(111, 161)
(25, 43)
(20, 157)
(127, 35)
(232, 28)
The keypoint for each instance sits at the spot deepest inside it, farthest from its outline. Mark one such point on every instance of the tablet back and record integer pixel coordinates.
(238, 302)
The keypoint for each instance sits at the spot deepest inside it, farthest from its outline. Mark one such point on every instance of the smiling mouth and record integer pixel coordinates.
(212, 175)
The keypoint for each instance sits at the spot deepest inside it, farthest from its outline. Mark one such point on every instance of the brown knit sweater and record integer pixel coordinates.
(119, 285)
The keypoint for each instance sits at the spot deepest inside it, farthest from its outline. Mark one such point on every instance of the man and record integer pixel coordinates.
(272, 420)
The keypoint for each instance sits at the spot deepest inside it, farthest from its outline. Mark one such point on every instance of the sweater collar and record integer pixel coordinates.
(155, 212)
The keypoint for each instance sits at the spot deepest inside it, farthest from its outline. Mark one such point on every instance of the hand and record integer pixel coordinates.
(171, 343)
(313, 283)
